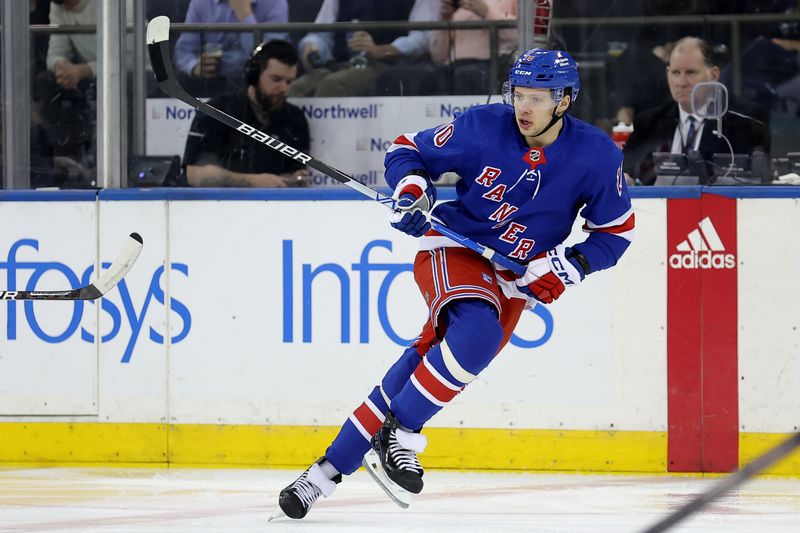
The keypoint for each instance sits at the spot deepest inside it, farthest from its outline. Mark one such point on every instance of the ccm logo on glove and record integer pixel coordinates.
(549, 275)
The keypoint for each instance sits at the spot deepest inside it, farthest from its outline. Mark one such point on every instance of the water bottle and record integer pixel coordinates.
(359, 60)
(621, 133)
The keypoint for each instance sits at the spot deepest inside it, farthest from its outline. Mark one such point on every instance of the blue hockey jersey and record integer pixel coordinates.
(520, 200)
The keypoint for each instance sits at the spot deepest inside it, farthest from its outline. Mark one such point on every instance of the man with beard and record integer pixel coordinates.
(217, 156)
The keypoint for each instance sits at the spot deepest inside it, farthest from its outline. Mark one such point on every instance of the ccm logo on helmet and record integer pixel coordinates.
(523, 72)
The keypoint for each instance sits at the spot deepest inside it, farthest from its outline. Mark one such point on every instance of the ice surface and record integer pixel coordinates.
(221, 500)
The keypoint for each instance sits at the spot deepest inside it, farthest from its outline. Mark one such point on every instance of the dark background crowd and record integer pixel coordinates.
(624, 64)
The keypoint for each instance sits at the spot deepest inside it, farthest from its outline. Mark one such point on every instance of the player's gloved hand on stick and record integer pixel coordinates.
(415, 196)
(550, 273)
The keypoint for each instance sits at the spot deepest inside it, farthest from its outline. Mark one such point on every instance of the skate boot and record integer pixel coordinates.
(296, 499)
(397, 448)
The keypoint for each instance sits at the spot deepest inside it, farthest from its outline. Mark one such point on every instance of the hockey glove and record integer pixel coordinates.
(549, 274)
(415, 196)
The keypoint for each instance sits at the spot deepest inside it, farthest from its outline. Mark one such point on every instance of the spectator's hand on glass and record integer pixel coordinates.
(68, 75)
(361, 41)
(446, 9)
(242, 8)
(476, 6)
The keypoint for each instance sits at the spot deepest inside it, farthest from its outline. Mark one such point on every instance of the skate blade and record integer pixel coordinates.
(277, 514)
(398, 494)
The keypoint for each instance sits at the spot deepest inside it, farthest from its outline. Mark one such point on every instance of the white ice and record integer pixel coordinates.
(222, 500)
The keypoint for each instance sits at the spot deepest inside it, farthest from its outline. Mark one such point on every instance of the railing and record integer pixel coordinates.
(493, 26)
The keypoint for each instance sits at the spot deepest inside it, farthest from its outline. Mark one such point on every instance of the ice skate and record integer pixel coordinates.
(396, 449)
(399, 495)
(296, 499)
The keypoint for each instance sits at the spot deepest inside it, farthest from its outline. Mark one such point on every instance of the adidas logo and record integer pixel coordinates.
(702, 249)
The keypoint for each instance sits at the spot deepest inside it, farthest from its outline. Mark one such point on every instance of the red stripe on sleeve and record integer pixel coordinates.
(628, 225)
(402, 139)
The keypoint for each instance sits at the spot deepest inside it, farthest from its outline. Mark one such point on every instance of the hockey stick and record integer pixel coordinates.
(158, 48)
(104, 282)
(762, 462)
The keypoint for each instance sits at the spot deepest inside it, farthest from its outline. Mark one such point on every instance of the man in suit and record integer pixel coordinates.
(672, 127)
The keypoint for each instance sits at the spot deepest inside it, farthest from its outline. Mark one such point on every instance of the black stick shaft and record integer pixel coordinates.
(158, 48)
(761, 463)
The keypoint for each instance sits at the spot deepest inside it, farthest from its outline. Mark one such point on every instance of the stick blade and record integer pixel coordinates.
(157, 48)
(158, 30)
(118, 269)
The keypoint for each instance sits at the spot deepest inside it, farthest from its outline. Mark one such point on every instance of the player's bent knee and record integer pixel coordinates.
(473, 337)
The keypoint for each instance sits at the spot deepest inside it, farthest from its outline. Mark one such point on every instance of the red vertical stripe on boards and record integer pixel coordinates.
(684, 345)
(702, 322)
(720, 342)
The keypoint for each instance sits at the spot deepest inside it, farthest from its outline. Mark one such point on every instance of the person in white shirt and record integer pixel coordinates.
(673, 127)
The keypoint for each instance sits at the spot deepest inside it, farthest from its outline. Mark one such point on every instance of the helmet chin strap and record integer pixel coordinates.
(553, 120)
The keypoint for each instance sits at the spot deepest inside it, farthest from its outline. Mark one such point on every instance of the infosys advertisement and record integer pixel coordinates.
(267, 304)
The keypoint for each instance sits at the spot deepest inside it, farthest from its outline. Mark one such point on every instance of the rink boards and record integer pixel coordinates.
(254, 322)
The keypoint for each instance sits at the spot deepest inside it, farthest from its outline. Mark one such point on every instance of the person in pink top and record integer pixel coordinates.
(459, 58)
(465, 53)
(472, 44)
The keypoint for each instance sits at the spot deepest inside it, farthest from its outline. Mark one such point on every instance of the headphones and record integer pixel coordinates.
(253, 67)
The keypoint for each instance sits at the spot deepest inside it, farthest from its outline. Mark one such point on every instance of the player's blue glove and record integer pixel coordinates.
(549, 274)
(415, 196)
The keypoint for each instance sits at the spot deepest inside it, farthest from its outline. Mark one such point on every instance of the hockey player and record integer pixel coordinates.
(528, 169)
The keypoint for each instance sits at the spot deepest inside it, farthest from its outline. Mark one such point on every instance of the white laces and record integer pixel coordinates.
(307, 491)
(404, 458)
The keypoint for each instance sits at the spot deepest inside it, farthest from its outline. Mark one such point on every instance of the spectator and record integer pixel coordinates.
(674, 128)
(640, 80)
(327, 56)
(789, 89)
(463, 55)
(72, 57)
(302, 11)
(39, 14)
(218, 156)
(212, 62)
(460, 59)
(768, 63)
(66, 92)
(42, 172)
(174, 9)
